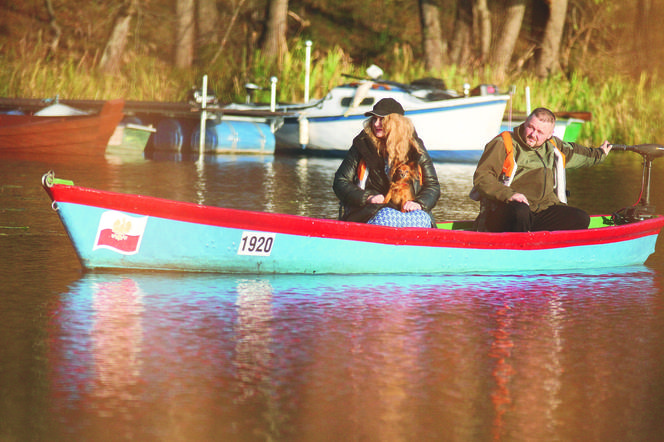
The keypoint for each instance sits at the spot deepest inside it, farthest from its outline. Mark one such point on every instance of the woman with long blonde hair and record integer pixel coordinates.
(398, 140)
(363, 179)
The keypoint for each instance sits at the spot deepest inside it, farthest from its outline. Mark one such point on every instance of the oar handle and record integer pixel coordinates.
(650, 150)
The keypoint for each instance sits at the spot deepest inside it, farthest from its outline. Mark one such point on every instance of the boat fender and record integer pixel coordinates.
(303, 131)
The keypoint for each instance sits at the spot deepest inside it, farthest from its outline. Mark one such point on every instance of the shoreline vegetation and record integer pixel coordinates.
(623, 110)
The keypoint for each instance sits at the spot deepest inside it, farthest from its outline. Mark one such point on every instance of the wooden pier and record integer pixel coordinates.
(154, 109)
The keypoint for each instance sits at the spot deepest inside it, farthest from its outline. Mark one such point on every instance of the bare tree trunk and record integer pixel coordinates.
(432, 38)
(463, 26)
(484, 20)
(208, 18)
(111, 59)
(184, 33)
(274, 38)
(642, 50)
(53, 23)
(548, 60)
(502, 55)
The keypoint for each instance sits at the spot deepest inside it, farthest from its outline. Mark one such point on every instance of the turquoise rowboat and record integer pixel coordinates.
(121, 231)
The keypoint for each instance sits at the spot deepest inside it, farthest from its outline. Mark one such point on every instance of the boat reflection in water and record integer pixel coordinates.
(194, 357)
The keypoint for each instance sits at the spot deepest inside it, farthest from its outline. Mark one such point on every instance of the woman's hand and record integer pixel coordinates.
(410, 206)
(376, 199)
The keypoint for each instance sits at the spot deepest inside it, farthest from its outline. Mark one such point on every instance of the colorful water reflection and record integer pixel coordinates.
(194, 357)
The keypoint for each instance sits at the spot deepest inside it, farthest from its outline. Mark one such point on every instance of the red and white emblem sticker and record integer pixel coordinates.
(120, 232)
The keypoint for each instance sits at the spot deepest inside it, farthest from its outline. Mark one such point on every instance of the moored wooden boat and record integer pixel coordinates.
(130, 137)
(120, 231)
(34, 135)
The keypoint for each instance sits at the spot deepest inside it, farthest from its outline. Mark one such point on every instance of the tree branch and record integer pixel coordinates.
(228, 31)
(55, 27)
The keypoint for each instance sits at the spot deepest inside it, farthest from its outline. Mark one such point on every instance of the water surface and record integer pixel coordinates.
(163, 356)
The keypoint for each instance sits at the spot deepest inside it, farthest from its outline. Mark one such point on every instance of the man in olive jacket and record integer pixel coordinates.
(529, 196)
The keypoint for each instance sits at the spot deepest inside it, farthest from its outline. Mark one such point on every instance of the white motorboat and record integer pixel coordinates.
(454, 126)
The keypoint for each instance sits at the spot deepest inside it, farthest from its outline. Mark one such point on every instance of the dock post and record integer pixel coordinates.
(201, 138)
(307, 71)
(273, 94)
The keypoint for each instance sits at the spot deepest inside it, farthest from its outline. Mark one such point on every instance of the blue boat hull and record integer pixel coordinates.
(225, 136)
(119, 231)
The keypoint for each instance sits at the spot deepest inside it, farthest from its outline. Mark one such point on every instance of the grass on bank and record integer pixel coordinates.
(623, 110)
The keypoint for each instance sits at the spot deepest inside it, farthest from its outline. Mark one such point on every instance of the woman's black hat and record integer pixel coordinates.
(385, 107)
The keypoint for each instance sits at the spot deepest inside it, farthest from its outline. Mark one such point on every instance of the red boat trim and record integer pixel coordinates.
(322, 228)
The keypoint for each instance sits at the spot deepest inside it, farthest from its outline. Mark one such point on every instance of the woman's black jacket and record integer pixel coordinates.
(353, 199)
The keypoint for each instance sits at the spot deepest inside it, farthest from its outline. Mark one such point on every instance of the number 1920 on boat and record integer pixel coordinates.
(256, 243)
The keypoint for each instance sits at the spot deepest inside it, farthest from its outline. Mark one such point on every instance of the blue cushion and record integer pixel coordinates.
(388, 216)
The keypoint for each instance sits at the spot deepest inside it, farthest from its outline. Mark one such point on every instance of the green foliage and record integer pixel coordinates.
(140, 79)
(623, 110)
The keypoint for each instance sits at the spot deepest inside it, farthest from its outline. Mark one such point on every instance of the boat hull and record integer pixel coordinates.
(454, 129)
(55, 136)
(225, 136)
(119, 231)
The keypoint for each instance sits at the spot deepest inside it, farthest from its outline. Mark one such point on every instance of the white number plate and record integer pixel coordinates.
(256, 243)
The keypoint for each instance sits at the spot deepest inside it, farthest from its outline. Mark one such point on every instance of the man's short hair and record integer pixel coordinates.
(543, 114)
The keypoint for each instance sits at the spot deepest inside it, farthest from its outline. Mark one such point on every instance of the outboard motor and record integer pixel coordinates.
(251, 89)
(642, 209)
(196, 97)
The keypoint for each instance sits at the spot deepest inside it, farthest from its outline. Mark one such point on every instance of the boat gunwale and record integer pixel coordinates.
(340, 230)
(424, 107)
